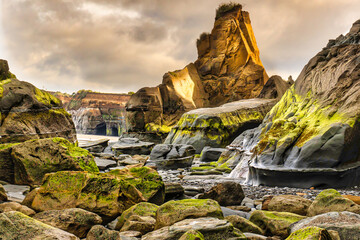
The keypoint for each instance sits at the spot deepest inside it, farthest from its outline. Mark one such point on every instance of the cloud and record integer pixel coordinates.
(123, 45)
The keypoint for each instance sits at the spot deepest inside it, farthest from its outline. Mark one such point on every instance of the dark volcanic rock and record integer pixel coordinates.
(275, 88)
(228, 69)
(226, 194)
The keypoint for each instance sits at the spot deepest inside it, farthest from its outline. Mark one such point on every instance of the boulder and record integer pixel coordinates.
(3, 196)
(218, 126)
(132, 147)
(210, 228)
(73, 220)
(209, 154)
(100, 232)
(228, 69)
(15, 225)
(104, 164)
(275, 88)
(274, 223)
(143, 209)
(173, 190)
(330, 200)
(28, 162)
(192, 235)
(226, 194)
(106, 194)
(347, 224)
(311, 137)
(310, 233)
(355, 199)
(289, 203)
(175, 211)
(30, 113)
(172, 156)
(244, 225)
(97, 146)
(139, 224)
(14, 206)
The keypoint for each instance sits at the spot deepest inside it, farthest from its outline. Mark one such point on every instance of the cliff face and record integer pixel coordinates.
(96, 113)
(312, 136)
(228, 68)
(30, 113)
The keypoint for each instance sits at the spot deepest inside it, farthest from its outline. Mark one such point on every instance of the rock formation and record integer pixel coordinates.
(312, 136)
(275, 87)
(217, 127)
(30, 113)
(228, 69)
(96, 113)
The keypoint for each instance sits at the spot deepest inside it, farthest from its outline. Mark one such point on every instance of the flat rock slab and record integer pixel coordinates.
(104, 164)
(16, 193)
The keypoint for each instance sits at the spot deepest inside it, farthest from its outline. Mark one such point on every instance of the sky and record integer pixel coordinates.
(122, 45)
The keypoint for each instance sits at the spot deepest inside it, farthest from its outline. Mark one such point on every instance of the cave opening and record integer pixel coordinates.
(114, 131)
(100, 129)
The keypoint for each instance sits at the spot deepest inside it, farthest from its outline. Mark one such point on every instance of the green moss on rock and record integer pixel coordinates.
(310, 233)
(46, 98)
(192, 235)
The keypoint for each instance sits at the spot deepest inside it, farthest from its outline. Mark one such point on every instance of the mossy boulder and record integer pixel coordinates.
(73, 220)
(311, 137)
(143, 209)
(100, 232)
(210, 228)
(28, 162)
(289, 203)
(192, 235)
(218, 127)
(3, 196)
(175, 211)
(14, 206)
(331, 200)
(244, 225)
(15, 225)
(310, 233)
(274, 223)
(105, 194)
(30, 113)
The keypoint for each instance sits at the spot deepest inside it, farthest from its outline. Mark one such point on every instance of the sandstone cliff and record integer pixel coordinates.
(96, 113)
(30, 113)
(312, 136)
(228, 68)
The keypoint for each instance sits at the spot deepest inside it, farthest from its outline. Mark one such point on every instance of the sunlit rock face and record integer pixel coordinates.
(228, 69)
(30, 113)
(96, 113)
(312, 136)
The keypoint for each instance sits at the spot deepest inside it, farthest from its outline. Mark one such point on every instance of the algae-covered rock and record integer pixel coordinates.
(15, 225)
(175, 211)
(347, 224)
(218, 127)
(226, 194)
(310, 233)
(73, 220)
(244, 225)
(210, 228)
(3, 196)
(28, 162)
(192, 235)
(30, 113)
(100, 232)
(274, 223)
(289, 203)
(143, 209)
(331, 200)
(311, 136)
(106, 194)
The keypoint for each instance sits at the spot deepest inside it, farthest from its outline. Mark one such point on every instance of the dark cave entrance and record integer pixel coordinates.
(100, 129)
(114, 131)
